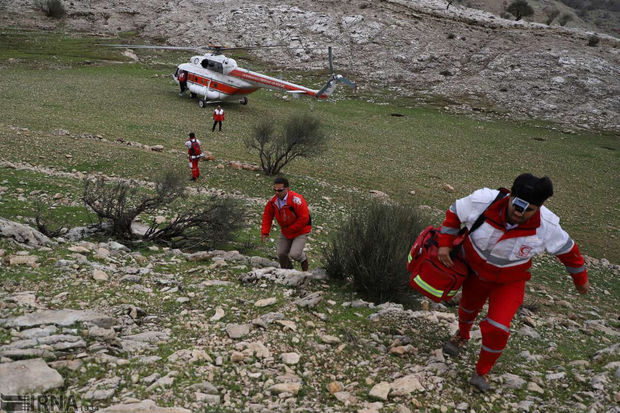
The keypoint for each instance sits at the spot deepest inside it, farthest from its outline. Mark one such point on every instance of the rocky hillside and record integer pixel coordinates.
(140, 328)
(462, 58)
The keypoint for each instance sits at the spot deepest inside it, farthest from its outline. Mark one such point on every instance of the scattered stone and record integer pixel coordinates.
(335, 387)
(238, 330)
(219, 314)
(290, 358)
(99, 275)
(380, 391)
(265, 302)
(292, 388)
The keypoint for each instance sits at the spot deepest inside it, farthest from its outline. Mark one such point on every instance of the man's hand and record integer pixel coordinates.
(443, 255)
(583, 288)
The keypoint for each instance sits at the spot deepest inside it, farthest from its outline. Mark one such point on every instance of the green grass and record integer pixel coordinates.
(369, 148)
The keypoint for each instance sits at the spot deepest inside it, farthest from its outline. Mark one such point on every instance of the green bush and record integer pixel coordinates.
(593, 40)
(520, 9)
(565, 18)
(371, 248)
(52, 8)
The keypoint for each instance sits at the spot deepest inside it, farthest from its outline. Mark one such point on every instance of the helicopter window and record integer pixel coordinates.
(212, 65)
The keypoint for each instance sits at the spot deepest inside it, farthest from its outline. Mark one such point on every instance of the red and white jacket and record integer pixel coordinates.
(500, 255)
(293, 217)
(218, 115)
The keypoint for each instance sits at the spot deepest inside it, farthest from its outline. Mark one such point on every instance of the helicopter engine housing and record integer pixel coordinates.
(209, 94)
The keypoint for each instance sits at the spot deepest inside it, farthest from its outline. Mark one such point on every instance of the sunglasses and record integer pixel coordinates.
(279, 189)
(521, 206)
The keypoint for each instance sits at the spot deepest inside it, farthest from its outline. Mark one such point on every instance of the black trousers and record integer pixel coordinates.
(215, 123)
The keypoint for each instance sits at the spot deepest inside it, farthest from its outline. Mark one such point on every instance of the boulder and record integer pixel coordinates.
(28, 376)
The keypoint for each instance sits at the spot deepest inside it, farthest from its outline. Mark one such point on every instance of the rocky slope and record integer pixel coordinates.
(464, 58)
(150, 329)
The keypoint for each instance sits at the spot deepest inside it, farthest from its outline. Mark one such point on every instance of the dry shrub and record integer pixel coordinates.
(121, 202)
(204, 224)
(301, 137)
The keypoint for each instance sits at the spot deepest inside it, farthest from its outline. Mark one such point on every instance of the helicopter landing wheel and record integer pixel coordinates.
(202, 103)
(244, 100)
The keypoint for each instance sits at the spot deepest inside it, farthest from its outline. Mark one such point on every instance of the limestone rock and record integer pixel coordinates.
(28, 376)
(22, 234)
(60, 318)
(380, 391)
(144, 406)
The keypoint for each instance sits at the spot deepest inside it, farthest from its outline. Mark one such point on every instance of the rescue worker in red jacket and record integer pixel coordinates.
(194, 153)
(182, 77)
(499, 253)
(291, 212)
(218, 117)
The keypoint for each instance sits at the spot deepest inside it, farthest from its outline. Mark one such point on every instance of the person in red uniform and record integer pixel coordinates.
(218, 117)
(499, 253)
(194, 153)
(182, 82)
(291, 212)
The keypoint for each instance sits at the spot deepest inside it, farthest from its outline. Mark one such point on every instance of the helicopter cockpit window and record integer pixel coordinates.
(212, 65)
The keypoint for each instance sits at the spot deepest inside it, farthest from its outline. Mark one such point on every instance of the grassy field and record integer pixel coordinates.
(59, 81)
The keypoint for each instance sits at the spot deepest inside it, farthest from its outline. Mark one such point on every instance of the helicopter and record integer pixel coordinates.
(214, 77)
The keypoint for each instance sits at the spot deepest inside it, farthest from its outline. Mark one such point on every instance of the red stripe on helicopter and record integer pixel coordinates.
(267, 81)
(220, 87)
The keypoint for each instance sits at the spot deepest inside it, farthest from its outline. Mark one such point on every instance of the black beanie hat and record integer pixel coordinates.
(532, 189)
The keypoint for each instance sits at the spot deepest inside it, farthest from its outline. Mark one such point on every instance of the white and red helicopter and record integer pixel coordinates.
(213, 77)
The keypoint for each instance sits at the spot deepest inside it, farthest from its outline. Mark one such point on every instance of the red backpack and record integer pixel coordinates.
(194, 149)
(428, 275)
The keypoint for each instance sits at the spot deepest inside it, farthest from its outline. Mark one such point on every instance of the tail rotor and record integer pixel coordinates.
(334, 79)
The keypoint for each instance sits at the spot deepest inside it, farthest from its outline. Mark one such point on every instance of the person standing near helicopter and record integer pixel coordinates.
(182, 82)
(218, 117)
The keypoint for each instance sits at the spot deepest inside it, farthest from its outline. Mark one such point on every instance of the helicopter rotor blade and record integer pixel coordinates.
(145, 46)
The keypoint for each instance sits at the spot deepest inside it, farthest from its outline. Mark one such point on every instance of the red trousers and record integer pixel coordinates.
(193, 163)
(504, 301)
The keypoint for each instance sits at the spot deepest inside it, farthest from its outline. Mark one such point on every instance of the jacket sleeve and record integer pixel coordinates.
(302, 213)
(267, 219)
(449, 228)
(575, 265)
(560, 244)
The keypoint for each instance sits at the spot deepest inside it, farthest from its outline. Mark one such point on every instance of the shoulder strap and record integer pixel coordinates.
(502, 193)
(464, 232)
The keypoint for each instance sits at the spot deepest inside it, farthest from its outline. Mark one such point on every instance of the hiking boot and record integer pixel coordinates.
(304, 265)
(454, 345)
(286, 263)
(480, 383)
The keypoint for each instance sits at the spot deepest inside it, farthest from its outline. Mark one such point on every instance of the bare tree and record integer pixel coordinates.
(302, 137)
(45, 222)
(122, 202)
(201, 224)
